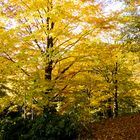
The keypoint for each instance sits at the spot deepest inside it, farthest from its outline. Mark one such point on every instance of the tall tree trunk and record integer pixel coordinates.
(116, 92)
(49, 26)
(109, 110)
(48, 68)
(49, 51)
(49, 63)
(48, 54)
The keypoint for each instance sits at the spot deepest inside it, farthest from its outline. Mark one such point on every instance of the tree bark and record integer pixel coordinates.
(49, 51)
(49, 63)
(109, 110)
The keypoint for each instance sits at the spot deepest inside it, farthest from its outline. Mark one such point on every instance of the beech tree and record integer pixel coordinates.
(52, 52)
(38, 41)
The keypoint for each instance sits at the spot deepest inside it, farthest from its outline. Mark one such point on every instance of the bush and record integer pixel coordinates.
(53, 127)
(11, 129)
(46, 127)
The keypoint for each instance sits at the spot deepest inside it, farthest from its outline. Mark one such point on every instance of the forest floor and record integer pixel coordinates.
(120, 128)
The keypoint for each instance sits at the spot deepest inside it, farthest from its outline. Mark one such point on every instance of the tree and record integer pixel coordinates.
(40, 44)
(53, 47)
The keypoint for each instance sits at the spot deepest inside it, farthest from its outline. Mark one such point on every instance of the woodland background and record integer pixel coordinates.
(65, 64)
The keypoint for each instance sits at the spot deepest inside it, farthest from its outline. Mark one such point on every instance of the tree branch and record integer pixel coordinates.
(9, 58)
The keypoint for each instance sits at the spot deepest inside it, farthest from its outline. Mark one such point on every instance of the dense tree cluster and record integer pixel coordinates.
(66, 63)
